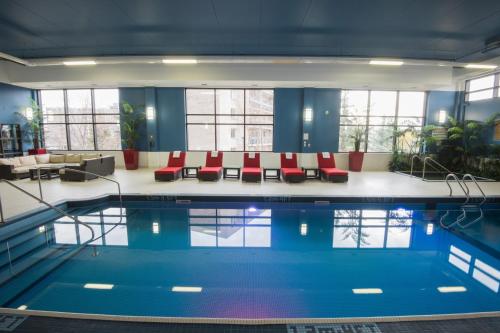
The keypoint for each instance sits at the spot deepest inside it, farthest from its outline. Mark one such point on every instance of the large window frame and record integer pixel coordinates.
(66, 115)
(495, 88)
(367, 124)
(216, 124)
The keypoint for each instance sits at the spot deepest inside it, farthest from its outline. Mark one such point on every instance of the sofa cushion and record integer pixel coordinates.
(42, 159)
(56, 158)
(27, 160)
(72, 158)
(89, 156)
(14, 161)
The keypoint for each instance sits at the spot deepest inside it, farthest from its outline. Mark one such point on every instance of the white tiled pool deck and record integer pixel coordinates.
(363, 184)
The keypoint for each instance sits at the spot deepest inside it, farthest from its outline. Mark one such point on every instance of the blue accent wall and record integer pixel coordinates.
(288, 103)
(439, 100)
(170, 112)
(482, 111)
(14, 99)
(326, 121)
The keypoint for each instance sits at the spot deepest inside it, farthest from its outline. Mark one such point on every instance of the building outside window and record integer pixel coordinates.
(378, 114)
(81, 119)
(230, 119)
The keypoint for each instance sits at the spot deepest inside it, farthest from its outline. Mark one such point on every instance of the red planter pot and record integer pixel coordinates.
(356, 160)
(131, 157)
(37, 151)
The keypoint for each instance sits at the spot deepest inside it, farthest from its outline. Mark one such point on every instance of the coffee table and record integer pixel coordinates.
(45, 172)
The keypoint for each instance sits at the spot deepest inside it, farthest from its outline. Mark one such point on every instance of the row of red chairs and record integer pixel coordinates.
(251, 171)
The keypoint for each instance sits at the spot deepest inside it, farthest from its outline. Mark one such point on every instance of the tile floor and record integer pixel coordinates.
(375, 184)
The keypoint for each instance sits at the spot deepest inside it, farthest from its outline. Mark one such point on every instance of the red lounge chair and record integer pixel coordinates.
(289, 170)
(173, 170)
(328, 171)
(213, 167)
(251, 171)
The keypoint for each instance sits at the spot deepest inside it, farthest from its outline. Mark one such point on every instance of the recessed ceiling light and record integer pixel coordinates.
(479, 66)
(180, 61)
(367, 291)
(180, 289)
(457, 289)
(80, 63)
(386, 62)
(98, 286)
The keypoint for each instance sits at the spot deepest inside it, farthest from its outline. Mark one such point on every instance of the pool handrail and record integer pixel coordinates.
(412, 162)
(426, 161)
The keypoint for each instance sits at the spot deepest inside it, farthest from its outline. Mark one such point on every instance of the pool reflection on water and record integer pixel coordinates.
(266, 262)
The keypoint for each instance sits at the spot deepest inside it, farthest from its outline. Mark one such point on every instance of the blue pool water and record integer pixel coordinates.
(237, 260)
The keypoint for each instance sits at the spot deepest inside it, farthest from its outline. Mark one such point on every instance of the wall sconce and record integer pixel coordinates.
(156, 228)
(150, 113)
(308, 114)
(28, 113)
(442, 116)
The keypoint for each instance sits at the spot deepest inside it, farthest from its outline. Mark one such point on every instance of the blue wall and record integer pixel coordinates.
(287, 133)
(14, 99)
(326, 121)
(482, 111)
(440, 100)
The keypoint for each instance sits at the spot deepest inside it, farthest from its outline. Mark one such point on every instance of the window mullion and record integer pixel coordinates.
(367, 119)
(66, 119)
(92, 103)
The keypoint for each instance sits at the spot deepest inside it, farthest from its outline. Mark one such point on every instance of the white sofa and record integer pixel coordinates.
(18, 167)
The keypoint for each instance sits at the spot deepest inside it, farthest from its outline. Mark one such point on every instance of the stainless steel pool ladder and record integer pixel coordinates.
(465, 206)
(427, 161)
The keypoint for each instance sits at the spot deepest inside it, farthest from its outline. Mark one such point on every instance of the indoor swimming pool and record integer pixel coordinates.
(251, 261)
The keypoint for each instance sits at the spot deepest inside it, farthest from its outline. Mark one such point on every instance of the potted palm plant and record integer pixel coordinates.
(356, 156)
(31, 118)
(131, 120)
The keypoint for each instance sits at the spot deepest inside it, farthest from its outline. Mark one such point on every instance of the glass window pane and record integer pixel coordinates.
(411, 104)
(201, 119)
(201, 137)
(380, 138)
(51, 119)
(229, 101)
(107, 118)
(345, 141)
(80, 118)
(483, 94)
(229, 120)
(108, 137)
(55, 137)
(383, 103)
(81, 137)
(411, 121)
(200, 101)
(52, 101)
(267, 120)
(259, 138)
(409, 140)
(482, 83)
(230, 137)
(259, 102)
(79, 101)
(106, 101)
(382, 120)
(354, 103)
(353, 120)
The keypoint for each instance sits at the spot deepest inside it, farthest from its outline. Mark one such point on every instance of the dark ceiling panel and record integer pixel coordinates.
(430, 29)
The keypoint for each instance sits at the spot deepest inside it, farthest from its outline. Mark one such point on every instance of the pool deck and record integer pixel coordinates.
(141, 181)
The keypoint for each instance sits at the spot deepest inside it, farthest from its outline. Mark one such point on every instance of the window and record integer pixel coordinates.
(81, 119)
(230, 119)
(482, 88)
(378, 114)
